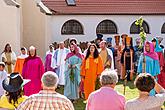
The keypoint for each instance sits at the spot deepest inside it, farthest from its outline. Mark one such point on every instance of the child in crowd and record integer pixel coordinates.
(3, 75)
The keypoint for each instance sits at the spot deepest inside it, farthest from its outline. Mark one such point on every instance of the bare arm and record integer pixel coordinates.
(158, 88)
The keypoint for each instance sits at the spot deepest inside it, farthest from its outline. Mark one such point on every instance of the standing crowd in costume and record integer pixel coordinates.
(79, 72)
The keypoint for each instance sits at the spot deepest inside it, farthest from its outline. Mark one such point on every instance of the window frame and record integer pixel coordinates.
(163, 26)
(71, 33)
(145, 23)
(106, 30)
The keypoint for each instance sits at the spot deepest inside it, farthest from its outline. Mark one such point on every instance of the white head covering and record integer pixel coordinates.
(49, 52)
(61, 42)
(32, 48)
(23, 55)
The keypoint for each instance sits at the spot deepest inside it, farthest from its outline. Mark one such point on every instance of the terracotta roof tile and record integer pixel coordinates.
(107, 7)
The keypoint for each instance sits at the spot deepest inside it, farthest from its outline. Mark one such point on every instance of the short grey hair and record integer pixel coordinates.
(49, 79)
(108, 76)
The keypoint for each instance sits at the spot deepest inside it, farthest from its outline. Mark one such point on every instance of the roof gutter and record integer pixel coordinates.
(43, 8)
(12, 3)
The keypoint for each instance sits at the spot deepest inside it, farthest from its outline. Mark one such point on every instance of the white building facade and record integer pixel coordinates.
(42, 22)
(90, 22)
(83, 19)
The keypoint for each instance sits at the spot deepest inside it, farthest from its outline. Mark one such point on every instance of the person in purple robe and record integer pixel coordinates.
(33, 70)
(48, 59)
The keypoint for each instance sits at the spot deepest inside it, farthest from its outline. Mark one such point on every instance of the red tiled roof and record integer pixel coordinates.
(107, 7)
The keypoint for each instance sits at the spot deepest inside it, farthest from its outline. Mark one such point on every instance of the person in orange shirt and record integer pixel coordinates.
(91, 68)
(20, 60)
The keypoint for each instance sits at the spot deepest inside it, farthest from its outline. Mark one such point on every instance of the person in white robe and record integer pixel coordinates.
(58, 62)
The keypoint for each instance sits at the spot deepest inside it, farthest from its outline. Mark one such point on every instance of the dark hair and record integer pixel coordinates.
(144, 82)
(124, 35)
(14, 96)
(51, 45)
(23, 48)
(153, 40)
(5, 50)
(2, 65)
(96, 53)
(73, 40)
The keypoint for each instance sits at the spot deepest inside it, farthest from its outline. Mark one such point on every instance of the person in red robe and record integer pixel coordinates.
(33, 69)
(159, 51)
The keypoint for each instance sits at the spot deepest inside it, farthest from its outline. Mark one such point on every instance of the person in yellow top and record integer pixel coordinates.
(9, 58)
(20, 60)
(13, 86)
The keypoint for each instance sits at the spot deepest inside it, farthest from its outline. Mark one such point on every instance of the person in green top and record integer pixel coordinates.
(14, 92)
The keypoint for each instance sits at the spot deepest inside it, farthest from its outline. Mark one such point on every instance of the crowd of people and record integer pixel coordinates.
(28, 83)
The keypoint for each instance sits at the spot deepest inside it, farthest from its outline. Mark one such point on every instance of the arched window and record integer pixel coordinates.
(72, 27)
(136, 29)
(163, 29)
(106, 27)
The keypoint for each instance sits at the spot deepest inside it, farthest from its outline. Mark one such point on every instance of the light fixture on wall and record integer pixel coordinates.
(12, 3)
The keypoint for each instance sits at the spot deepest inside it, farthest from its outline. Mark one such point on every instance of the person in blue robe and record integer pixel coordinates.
(58, 62)
(151, 62)
(72, 73)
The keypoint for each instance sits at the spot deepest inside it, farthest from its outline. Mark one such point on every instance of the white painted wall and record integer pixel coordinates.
(9, 26)
(90, 23)
(27, 26)
(34, 27)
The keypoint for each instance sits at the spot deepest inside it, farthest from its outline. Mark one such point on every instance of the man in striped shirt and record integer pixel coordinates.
(48, 98)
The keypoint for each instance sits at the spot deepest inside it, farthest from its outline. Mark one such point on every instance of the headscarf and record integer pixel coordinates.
(157, 47)
(23, 55)
(152, 53)
(77, 53)
(49, 52)
(31, 57)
